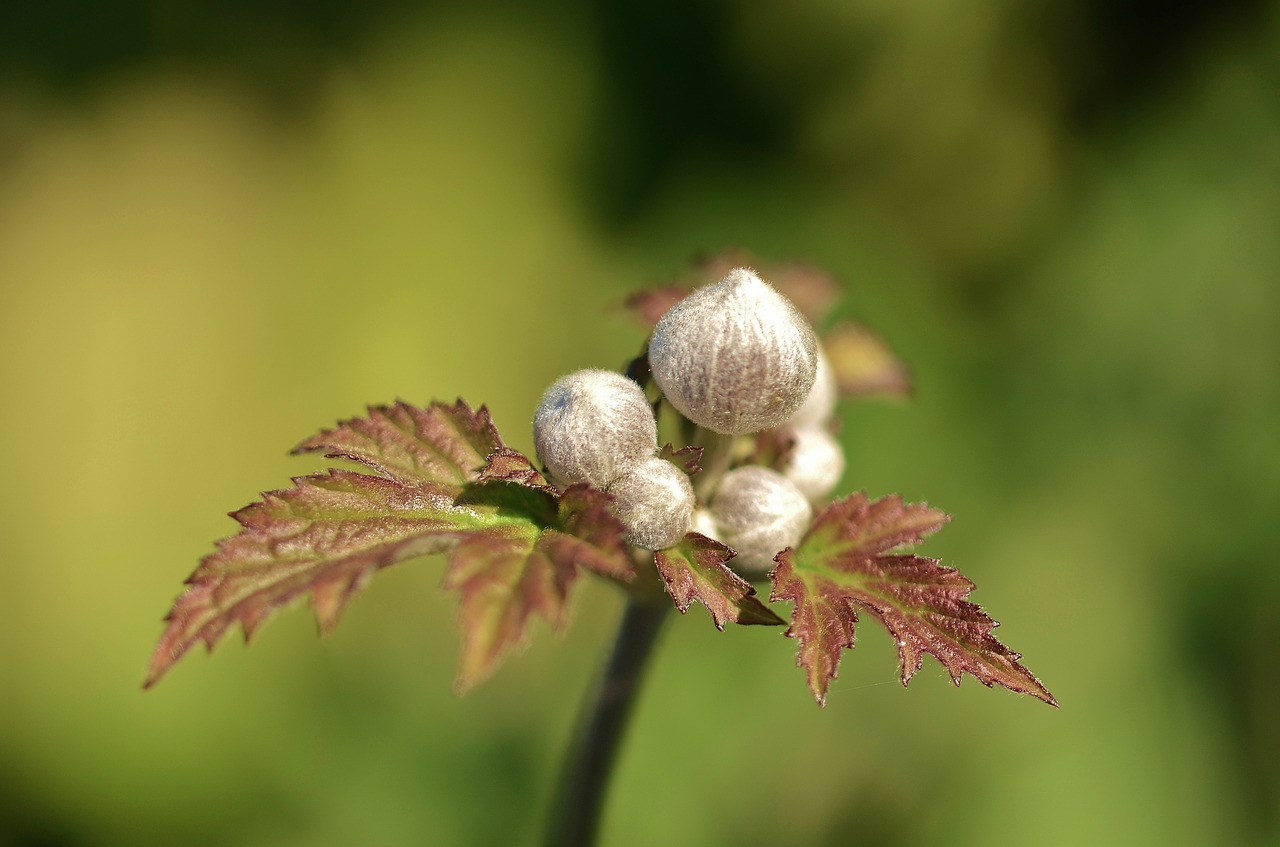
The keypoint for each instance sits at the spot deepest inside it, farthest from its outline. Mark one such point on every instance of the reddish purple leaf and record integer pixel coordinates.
(864, 364)
(441, 443)
(695, 569)
(808, 286)
(503, 579)
(588, 535)
(507, 465)
(773, 447)
(843, 564)
(327, 535)
(652, 303)
(686, 458)
(446, 484)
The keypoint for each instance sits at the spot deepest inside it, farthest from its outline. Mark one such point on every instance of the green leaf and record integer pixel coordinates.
(514, 543)
(843, 564)
(695, 569)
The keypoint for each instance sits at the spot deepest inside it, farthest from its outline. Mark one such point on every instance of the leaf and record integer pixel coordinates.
(695, 569)
(441, 443)
(514, 543)
(503, 579)
(864, 364)
(686, 458)
(327, 535)
(588, 535)
(773, 448)
(507, 465)
(843, 564)
(650, 304)
(811, 289)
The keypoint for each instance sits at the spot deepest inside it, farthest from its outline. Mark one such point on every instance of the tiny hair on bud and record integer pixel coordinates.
(593, 425)
(734, 357)
(759, 512)
(654, 501)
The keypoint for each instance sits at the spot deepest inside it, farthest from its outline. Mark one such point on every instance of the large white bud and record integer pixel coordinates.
(759, 512)
(815, 462)
(734, 357)
(593, 425)
(654, 501)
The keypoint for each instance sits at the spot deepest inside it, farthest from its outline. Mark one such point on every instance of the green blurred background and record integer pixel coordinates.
(223, 230)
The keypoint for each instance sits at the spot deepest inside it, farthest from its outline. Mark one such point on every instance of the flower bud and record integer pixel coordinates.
(734, 357)
(759, 512)
(820, 405)
(654, 501)
(704, 524)
(815, 462)
(591, 426)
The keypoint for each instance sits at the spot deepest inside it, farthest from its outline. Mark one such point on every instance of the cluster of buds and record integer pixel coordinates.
(597, 427)
(734, 358)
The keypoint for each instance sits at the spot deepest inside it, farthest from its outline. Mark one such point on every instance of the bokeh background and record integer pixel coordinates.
(223, 227)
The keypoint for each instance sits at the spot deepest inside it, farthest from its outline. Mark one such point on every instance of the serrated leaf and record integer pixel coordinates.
(695, 569)
(503, 579)
(686, 458)
(514, 543)
(327, 536)
(507, 465)
(864, 364)
(441, 443)
(843, 564)
(588, 535)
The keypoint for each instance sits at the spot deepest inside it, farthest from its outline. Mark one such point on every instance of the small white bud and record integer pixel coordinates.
(734, 357)
(820, 405)
(759, 512)
(704, 524)
(815, 462)
(654, 501)
(591, 426)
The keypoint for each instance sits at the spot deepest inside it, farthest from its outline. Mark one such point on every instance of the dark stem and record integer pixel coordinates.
(575, 814)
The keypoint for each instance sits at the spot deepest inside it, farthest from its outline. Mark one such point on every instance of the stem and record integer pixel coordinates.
(575, 813)
(717, 455)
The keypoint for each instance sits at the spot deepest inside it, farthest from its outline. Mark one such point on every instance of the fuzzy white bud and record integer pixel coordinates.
(734, 357)
(815, 462)
(593, 425)
(704, 524)
(820, 405)
(654, 501)
(759, 512)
